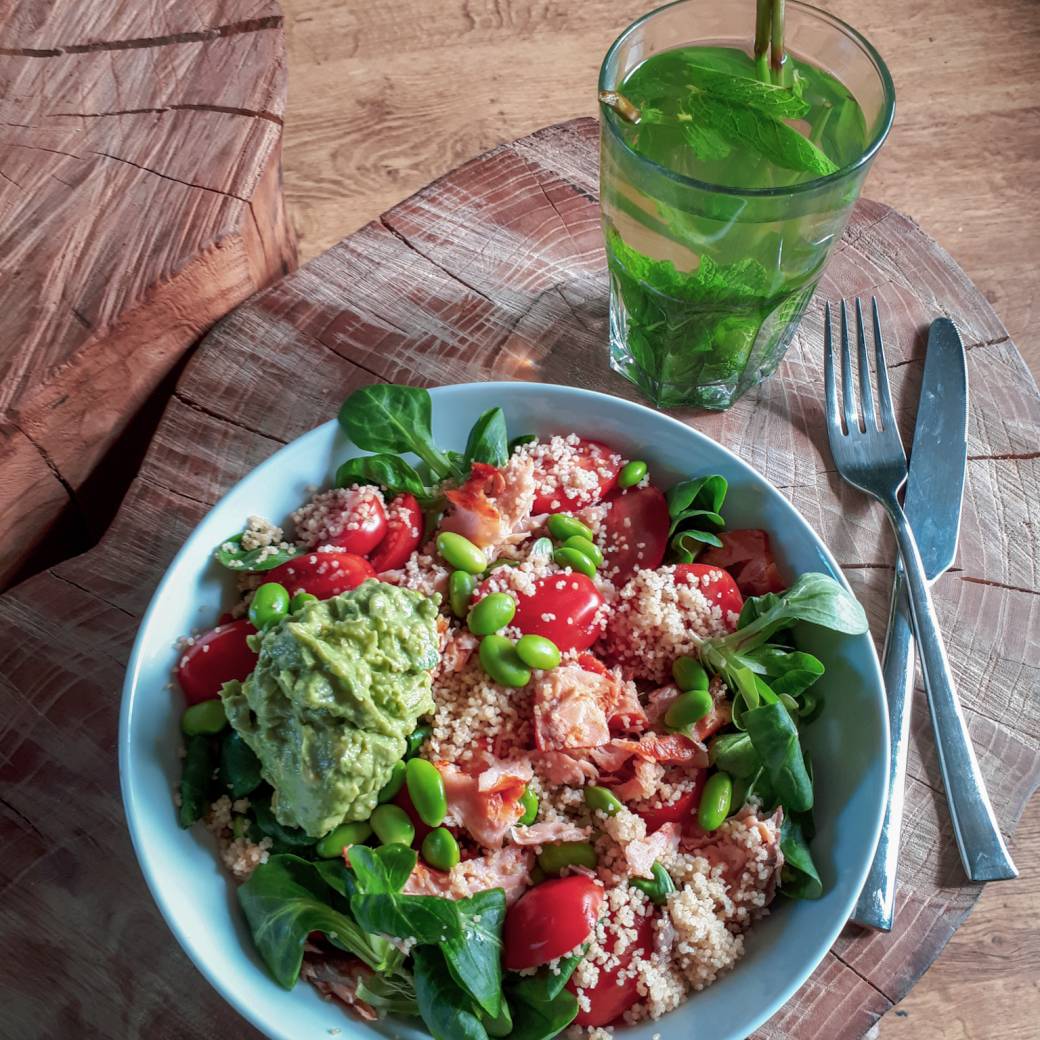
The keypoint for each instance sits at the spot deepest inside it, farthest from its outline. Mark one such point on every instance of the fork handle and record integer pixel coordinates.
(981, 846)
(876, 905)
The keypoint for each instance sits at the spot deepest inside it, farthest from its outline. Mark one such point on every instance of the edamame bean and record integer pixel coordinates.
(501, 661)
(388, 792)
(529, 800)
(599, 799)
(493, 612)
(501, 1026)
(537, 875)
(392, 826)
(204, 717)
(440, 849)
(689, 674)
(460, 592)
(577, 561)
(270, 603)
(687, 709)
(561, 527)
(461, 553)
(426, 790)
(583, 545)
(300, 600)
(715, 801)
(541, 547)
(416, 739)
(657, 888)
(631, 473)
(538, 651)
(333, 844)
(553, 858)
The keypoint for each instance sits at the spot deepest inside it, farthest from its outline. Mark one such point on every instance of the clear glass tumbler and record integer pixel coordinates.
(708, 347)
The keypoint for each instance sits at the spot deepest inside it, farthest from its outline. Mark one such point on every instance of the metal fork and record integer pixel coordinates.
(868, 453)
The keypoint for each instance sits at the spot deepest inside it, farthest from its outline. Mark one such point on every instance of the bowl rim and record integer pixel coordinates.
(443, 394)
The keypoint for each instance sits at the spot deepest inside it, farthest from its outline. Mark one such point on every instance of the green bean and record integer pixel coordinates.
(492, 613)
(440, 849)
(204, 717)
(538, 651)
(589, 548)
(689, 674)
(561, 527)
(537, 875)
(300, 600)
(270, 603)
(715, 801)
(631, 473)
(333, 844)
(501, 661)
(461, 553)
(529, 800)
(500, 1026)
(416, 739)
(599, 799)
(577, 561)
(426, 790)
(541, 547)
(392, 826)
(553, 858)
(460, 591)
(388, 792)
(658, 888)
(687, 709)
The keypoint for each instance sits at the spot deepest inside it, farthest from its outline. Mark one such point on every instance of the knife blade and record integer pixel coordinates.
(935, 487)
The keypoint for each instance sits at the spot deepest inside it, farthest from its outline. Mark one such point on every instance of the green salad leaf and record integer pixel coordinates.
(392, 995)
(536, 1014)
(448, 1011)
(196, 784)
(388, 471)
(474, 958)
(230, 554)
(284, 837)
(799, 878)
(239, 766)
(774, 736)
(383, 870)
(488, 440)
(693, 509)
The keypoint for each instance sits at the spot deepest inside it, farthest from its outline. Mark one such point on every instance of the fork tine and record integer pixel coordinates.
(866, 391)
(886, 415)
(848, 399)
(833, 420)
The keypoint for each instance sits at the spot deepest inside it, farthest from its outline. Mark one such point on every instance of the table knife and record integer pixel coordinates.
(933, 505)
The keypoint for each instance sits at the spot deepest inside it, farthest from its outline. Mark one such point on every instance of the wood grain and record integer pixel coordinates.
(140, 200)
(497, 271)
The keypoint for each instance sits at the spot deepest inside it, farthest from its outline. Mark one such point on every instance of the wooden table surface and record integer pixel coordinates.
(385, 97)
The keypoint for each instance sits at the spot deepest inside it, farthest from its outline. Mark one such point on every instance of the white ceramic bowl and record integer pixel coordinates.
(847, 742)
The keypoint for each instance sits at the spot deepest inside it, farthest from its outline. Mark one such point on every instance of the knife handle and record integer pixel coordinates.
(877, 902)
(983, 852)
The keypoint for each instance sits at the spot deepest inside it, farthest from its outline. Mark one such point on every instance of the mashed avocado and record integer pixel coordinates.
(337, 688)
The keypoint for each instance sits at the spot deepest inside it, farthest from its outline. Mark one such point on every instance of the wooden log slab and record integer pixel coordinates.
(496, 271)
(140, 200)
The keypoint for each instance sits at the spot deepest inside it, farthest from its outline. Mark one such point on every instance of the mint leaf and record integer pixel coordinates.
(707, 144)
(767, 97)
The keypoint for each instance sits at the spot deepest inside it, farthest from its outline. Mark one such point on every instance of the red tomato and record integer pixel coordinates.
(721, 590)
(322, 574)
(362, 524)
(592, 664)
(549, 920)
(748, 557)
(608, 999)
(591, 455)
(403, 534)
(637, 532)
(679, 811)
(574, 624)
(214, 659)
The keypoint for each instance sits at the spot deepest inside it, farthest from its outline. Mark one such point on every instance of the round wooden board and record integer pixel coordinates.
(140, 201)
(495, 271)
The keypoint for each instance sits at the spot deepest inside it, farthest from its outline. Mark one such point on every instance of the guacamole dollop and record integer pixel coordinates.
(338, 686)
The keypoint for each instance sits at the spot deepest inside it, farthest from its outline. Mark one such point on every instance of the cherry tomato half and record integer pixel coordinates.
(549, 920)
(404, 532)
(589, 455)
(749, 558)
(637, 532)
(214, 659)
(323, 574)
(682, 809)
(563, 608)
(721, 590)
(361, 524)
(609, 999)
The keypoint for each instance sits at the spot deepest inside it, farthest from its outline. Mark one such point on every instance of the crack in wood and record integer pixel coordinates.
(250, 25)
(21, 816)
(91, 593)
(873, 985)
(1009, 456)
(168, 177)
(1000, 585)
(47, 460)
(203, 410)
(251, 113)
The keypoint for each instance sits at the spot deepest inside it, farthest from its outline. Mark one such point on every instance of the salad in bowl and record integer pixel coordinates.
(513, 740)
